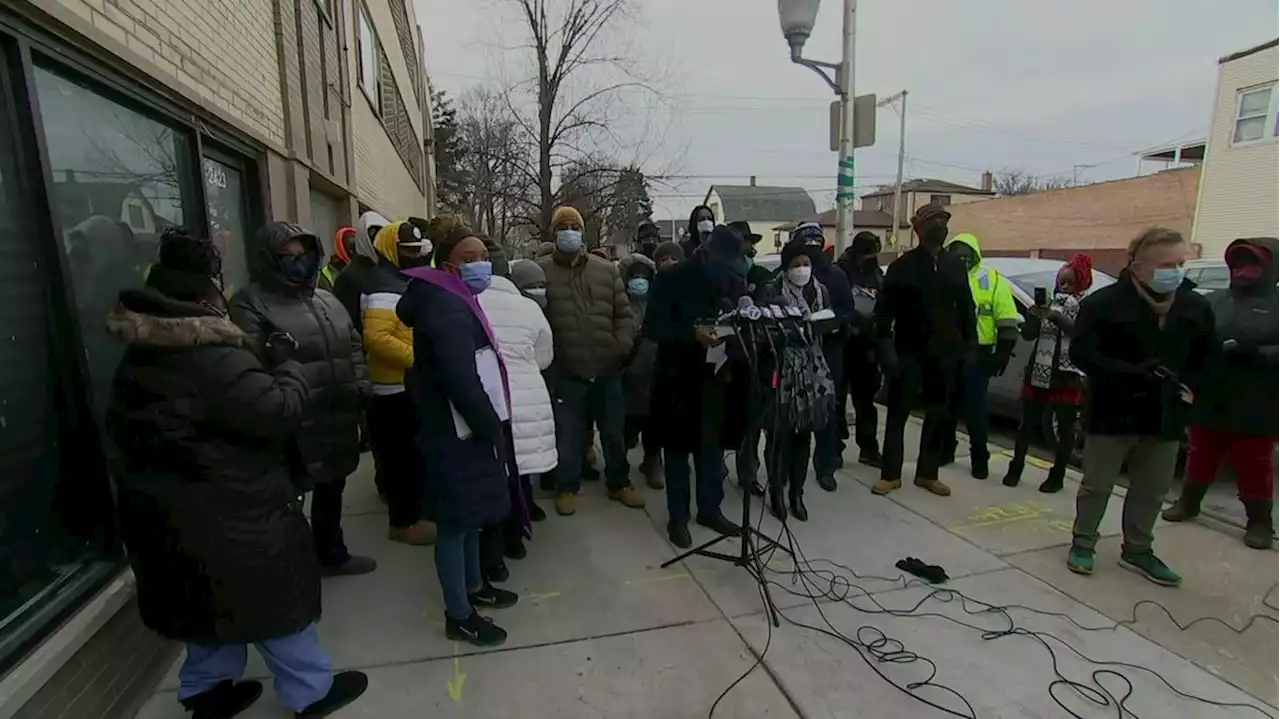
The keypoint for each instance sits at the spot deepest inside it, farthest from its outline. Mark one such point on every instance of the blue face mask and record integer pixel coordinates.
(1167, 279)
(638, 286)
(477, 275)
(569, 241)
(301, 269)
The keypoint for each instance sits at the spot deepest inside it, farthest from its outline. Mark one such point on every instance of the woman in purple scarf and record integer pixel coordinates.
(460, 386)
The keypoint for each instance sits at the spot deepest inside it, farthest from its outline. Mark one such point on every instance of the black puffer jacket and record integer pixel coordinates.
(329, 349)
(1241, 393)
(215, 531)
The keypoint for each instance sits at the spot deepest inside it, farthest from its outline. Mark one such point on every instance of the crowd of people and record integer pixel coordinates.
(473, 378)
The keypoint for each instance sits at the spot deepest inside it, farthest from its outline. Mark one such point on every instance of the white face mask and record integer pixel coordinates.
(706, 226)
(799, 276)
(537, 291)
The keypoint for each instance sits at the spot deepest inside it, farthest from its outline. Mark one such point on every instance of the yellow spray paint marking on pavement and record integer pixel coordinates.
(459, 679)
(535, 598)
(658, 578)
(1006, 514)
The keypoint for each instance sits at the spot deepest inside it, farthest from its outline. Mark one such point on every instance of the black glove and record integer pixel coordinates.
(1000, 360)
(280, 347)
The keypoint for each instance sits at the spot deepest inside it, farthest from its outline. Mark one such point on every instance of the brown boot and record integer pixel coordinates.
(885, 486)
(420, 534)
(566, 504)
(629, 496)
(933, 485)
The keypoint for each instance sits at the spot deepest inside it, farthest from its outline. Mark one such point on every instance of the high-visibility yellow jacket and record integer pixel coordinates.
(992, 296)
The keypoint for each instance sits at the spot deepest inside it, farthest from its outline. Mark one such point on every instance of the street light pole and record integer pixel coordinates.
(797, 18)
(844, 181)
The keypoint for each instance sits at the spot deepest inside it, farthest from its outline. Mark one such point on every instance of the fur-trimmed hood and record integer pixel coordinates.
(151, 319)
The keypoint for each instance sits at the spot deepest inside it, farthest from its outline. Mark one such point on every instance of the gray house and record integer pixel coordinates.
(763, 206)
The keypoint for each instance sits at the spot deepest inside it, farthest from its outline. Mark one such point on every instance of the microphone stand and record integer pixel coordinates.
(755, 544)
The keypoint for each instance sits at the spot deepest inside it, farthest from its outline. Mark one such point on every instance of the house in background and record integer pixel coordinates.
(1238, 188)
(763, 206)
(924, 191)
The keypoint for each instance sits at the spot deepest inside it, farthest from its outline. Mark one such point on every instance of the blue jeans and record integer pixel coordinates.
(303, 674)
(709, 468)
(458, 567)
(578, 403)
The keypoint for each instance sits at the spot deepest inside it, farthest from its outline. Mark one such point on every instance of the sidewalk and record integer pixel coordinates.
(602, 631)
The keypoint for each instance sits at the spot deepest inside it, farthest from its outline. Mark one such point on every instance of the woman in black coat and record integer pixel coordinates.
(214, 529)
(326, 445)
(459, 384)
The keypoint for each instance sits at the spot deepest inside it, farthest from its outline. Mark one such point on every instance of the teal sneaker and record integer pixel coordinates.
(1080, 560)
(1149, 565)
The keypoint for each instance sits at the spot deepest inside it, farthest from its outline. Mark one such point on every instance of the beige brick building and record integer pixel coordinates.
(119, 119)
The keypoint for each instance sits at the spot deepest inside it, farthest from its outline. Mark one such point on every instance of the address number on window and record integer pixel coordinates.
(214, 175)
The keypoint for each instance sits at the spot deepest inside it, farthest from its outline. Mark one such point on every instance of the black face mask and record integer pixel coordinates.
(934, 235)
(409, 262)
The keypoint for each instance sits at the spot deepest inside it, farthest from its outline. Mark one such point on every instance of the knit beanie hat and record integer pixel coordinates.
(526, 273)
(564, 214)
(797, 247)
(497, 257)
(668, 249)
(187, 268)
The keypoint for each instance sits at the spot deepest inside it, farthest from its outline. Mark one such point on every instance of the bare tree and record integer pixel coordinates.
(1017, 182)
(579, 78)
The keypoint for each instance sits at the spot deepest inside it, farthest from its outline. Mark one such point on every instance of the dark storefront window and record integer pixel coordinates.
(119, 179)
(51, 520)
(225, 197)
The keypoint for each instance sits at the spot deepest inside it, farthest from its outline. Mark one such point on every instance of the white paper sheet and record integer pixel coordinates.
(490, 373)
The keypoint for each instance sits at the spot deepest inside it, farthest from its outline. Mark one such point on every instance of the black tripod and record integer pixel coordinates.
(755, 544)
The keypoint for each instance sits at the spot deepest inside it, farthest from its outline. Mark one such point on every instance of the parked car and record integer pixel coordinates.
(1209, 275)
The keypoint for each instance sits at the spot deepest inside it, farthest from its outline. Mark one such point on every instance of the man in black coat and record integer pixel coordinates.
(283, 304)
(826, 441)
(1234, 417)
(214, 528)
(759, 279)
(861, 265)
(1145, 344)
(925, 326)
(698, 407)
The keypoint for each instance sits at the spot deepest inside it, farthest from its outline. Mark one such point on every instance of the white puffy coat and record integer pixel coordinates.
(524, 339)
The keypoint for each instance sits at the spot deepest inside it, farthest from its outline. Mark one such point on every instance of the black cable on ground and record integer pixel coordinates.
(875, 647)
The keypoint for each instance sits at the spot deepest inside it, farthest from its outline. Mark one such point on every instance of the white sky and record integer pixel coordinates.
(1032, 85)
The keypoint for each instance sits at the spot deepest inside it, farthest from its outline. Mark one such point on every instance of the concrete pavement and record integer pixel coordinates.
(603, 631)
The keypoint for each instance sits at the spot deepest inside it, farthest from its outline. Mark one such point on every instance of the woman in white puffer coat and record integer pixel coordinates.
(524, 339)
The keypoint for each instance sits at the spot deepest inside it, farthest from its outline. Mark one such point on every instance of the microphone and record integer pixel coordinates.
(748, 310)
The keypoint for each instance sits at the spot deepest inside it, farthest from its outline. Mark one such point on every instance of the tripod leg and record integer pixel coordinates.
(697, 550)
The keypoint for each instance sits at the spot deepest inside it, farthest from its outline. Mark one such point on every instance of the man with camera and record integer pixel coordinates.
(1145, 344)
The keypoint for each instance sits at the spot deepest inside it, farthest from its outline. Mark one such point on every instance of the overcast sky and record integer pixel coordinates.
(1030, 85)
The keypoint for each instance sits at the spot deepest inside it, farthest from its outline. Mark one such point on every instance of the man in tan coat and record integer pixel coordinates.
(590, 317)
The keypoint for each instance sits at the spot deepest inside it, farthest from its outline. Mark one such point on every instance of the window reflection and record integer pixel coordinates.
(224, 192)
(118, 182)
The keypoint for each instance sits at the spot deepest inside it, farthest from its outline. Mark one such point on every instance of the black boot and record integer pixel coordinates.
(1053, 483)
(347, 687)
(797, 504)
(226, 699)
(777, 502)
(1014, 475)
(1258, 530)
(678, 533)
(1188, 504)
(978, 467)
(871, 457)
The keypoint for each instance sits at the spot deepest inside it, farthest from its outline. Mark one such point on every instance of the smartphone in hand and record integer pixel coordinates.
(1041, 297)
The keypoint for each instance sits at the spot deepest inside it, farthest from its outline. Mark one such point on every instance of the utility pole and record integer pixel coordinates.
(844, 181)
(902, 153)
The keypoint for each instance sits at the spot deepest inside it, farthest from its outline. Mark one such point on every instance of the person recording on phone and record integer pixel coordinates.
(1050, 383)
(1146, 345)
(997, 333)
(1235, 410)
(698, 407)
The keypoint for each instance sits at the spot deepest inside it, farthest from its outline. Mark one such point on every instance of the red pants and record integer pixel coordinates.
(1251, 456)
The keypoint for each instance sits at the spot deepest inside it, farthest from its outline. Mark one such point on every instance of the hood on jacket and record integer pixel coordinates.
(967, 238)
(525, 273)
(364, 238)
(504, 285)
(342, 244)
(270, 239)
(635, 258)
(669, 249)
(149, 318)
(389, 239)
(1265, 247)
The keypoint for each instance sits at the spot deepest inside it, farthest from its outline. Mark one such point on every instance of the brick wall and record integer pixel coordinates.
(1105, 215)
(109, 677)
(225, 49)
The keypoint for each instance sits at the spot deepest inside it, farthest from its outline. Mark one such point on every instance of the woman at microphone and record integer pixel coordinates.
(805, 385)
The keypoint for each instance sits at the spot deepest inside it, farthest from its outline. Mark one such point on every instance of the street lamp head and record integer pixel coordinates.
(797, 18)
